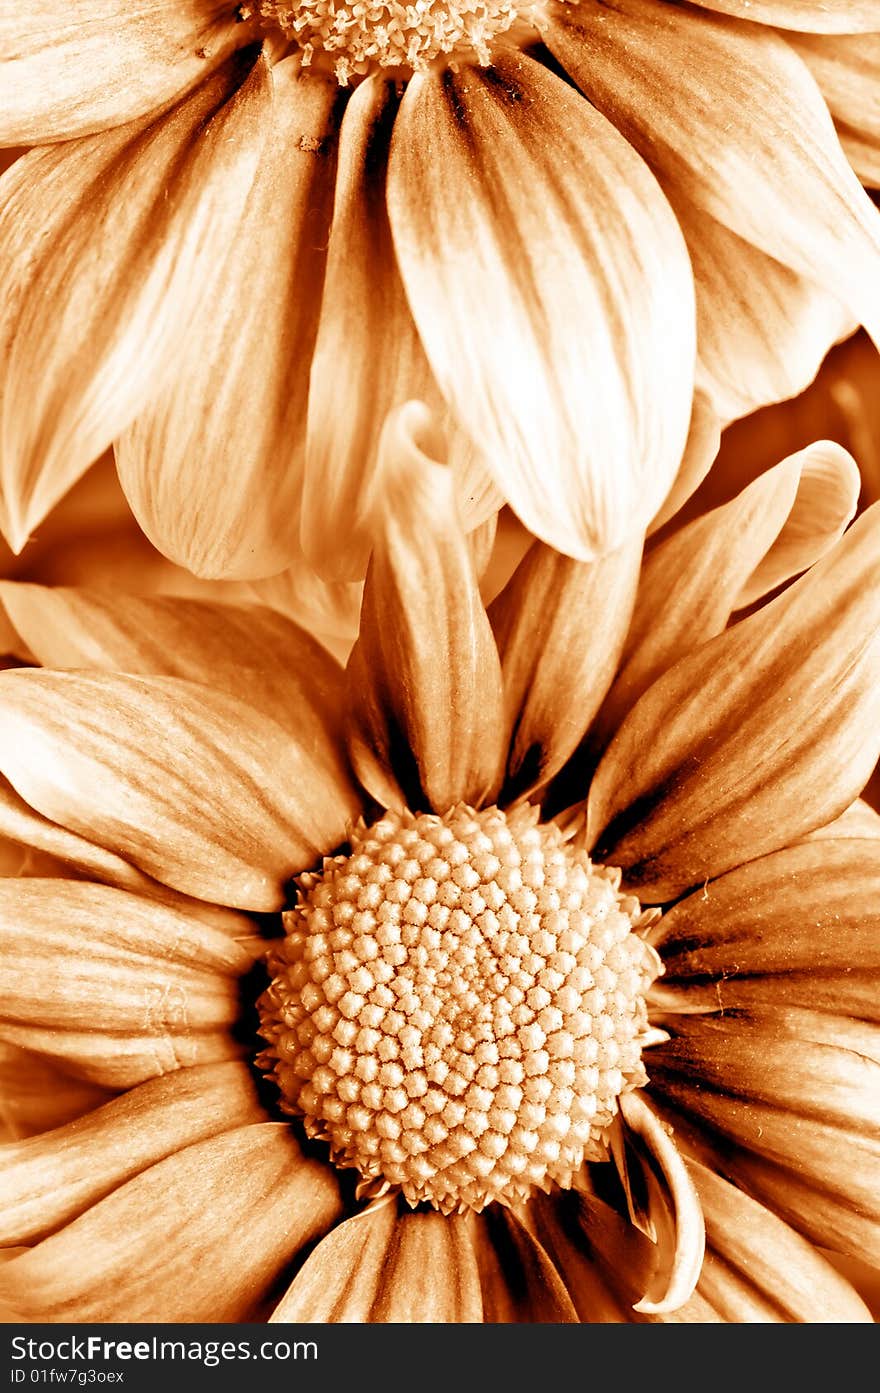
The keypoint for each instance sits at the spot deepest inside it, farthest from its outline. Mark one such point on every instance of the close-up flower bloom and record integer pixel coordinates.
(548, 221)
(523, 969)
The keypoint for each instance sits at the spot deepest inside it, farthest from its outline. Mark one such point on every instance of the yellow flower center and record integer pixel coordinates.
(457, 1006)
(365, 34)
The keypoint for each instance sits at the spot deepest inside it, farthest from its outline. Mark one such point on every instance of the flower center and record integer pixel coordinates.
(457, 1006)
(388, 33)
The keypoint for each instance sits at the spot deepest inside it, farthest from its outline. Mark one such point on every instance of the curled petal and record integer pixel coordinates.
(162, 1247)
(191, 785)
(675, 1209)
(424, 677)
(553, 294)
(104, 245)
(383, 1265)
(213, 465)
(764, 733)
(71, 67)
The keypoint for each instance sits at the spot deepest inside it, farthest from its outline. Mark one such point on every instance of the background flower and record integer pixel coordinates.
(726, 749)
(232, 241)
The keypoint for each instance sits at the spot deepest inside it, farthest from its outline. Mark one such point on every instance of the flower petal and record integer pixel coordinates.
(762, 329)
(694, 580)
(366, 339)
(508, 193)
(213, 466)
(519, 1280)
(798, 927)
(35, 1095)
(758, 1269)
(45, 849)
(847, 69)
(704, 439)
(731, 116)
(50, 1179)
(248, 650)
(810, 1108)
(382, 1266)
(167, 984)
(560, 626)
(817, 16)
(424, 677)
(75, 66)
(764, 733)
(192, 785)
(162, 1247)
(674, 1210)
(104, 242)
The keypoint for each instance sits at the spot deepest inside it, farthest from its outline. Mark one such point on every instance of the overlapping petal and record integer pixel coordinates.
(213, 465)
(50, 1179)
(766, 732)
(167, 983)
(104, 242)
(730, 115)
(384, 1265)
(424, 678)
(70, 67)
(193, 786)
(551, 288)
(162, 1246)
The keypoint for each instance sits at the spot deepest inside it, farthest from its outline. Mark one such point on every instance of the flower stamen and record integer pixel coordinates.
(362, 35)
(458, 1005)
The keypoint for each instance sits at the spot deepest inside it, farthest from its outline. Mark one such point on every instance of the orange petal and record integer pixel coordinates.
(50, 1179)
(70, 67)
(519, 1280)
(559, 625)
(104, 242)
(204, 1235)
(366, 339)
(35, 1095)
(764, 733)
(731, 116)
(388, 1266)
(553, 294)
(249, 650)
(847, 69)
(167, 984)
(759, 1269)
(424, 678)
(193, 786)
(213, 466)
(817, 16)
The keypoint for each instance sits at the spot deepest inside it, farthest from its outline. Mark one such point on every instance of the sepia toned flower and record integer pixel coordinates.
(235, 213)
(523, 970)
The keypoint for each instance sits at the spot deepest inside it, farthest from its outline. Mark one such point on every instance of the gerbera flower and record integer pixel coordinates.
(553, 1047)
(240, 211)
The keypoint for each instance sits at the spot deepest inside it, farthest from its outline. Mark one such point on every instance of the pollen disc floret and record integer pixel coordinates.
(457, 1006)
(389, 33)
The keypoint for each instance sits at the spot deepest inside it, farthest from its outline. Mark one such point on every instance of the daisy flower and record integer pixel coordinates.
(524, 970)
(236, 213)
